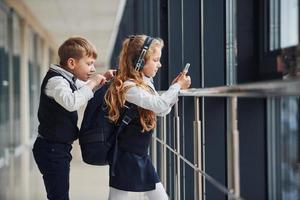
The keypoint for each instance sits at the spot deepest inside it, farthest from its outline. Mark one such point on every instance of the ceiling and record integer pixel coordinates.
(95, 20)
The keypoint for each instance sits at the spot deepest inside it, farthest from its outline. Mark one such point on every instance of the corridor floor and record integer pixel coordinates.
(86, 182)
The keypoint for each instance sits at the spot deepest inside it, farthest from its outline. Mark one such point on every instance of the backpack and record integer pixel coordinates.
(98, 136)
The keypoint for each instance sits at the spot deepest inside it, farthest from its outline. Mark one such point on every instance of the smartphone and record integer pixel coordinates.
(186, 68)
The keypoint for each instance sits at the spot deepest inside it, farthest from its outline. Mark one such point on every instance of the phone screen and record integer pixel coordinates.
(186, 68)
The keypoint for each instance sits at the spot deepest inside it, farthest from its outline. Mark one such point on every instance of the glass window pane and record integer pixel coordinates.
(274, 24)
(16, 77)
(33, 81)
(289, 142)
(289, 21)
(4, 85)
(231, 46)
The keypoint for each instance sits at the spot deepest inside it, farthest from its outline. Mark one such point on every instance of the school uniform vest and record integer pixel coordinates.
(133, 168)
(132, 139)
(56, 123)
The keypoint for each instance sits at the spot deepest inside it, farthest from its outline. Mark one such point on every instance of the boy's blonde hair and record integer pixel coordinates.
(77, 48)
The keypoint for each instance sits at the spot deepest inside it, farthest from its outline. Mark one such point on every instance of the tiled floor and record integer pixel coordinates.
(21, 180)
(86, 182)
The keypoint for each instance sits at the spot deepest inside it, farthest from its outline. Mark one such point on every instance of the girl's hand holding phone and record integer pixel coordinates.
(183, 80)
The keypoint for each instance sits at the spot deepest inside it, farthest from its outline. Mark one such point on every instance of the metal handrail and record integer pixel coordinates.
(260, 89)
(209, 178)
(254, 90)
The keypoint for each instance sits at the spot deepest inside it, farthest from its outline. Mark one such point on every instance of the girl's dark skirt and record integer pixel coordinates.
(133, 173)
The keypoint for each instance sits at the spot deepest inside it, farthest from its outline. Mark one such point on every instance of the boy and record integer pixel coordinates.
(63, 92)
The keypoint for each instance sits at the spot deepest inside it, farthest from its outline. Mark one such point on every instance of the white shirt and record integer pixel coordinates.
(159, 104)
(59, 89)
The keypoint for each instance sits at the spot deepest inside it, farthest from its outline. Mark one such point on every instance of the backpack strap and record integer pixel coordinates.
(126, 119)
(93, 136)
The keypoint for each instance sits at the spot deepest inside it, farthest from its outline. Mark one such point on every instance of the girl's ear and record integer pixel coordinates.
(71, 62)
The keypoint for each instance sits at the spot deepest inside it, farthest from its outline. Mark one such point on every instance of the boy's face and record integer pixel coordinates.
(83, 68)
(153, 63)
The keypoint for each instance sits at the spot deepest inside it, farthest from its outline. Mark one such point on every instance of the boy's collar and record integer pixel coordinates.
(63, 72)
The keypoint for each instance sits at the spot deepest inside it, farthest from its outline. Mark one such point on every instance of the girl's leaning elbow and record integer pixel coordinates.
(161, 108)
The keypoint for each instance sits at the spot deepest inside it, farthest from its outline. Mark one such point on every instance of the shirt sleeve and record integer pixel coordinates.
(80, 83)
(159, 104)
(59, 89)
(165, 113)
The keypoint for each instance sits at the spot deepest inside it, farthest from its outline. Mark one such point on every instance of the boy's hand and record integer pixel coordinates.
(96, 80)
(99, 79)
(109, 74)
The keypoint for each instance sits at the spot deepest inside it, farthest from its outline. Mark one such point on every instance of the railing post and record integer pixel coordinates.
(197, 151)
(177, 186)
(163, 163)
(154, 149)
(233, 149)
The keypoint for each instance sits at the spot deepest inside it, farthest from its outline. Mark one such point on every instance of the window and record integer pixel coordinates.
(289, 142)
(289, 20)
(283, 24)
(16, 77)
(4, 84)
(231, 46)
(33, 80)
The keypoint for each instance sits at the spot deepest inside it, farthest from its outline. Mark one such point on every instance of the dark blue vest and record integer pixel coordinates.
(56, 123)
(132, 139)
(133, 170)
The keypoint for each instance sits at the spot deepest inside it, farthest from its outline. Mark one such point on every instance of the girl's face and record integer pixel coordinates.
(153, 63)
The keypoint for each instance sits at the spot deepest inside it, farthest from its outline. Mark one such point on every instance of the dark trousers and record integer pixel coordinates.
(53, 160)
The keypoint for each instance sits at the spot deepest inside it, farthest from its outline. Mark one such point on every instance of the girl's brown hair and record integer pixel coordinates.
(115, 95)
(77, 48)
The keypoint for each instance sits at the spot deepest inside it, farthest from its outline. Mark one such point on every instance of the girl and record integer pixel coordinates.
(138, 63)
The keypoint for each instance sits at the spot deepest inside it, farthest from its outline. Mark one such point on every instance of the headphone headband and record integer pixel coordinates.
(139, 64)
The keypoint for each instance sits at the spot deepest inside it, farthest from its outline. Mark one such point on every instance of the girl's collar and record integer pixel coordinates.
(147, 79)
